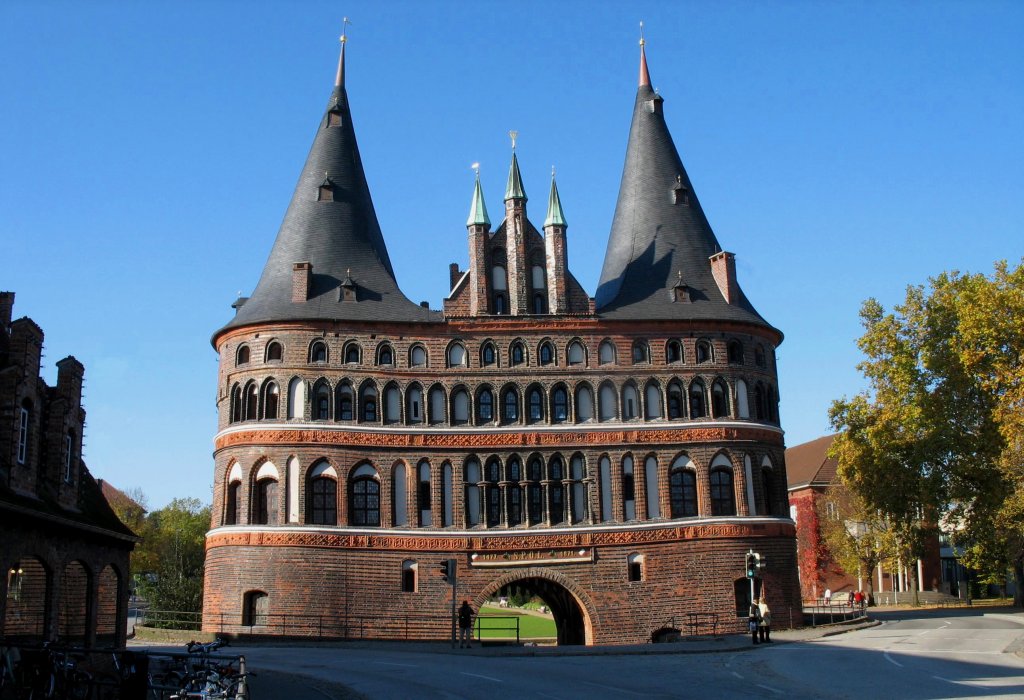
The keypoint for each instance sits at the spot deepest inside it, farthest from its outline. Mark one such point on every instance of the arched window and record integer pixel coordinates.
(460, 406)
(703, 352)
(446, 495)
(511, 406)
(606, 402)
(652, 494)
(517, 354)
(423, 494)
(232, 503)
(352, 354)
(457, 355)
(271, 400)
(606, 352)
(652, 401)
(556, 491)
(759, 356)
(323, 496)
(630, 402)
(266, 502)
(698, 402)
(537, 276)
(493, 493)
(487, 355)
(547, 353)
(322, 402)
(472, 486)
(236, 415)
(242, 355)
(392, 404)
(578, 472)
(438, 409)
(318, 352)
(417, 356)
(674, 351)
(251, 402)
(641, 352)
(683, 488)
(485, 406)
(274, 351)
(535, 492)
(768, 484)
(574, 354)
(584, 404)
(559, 405)
(735, 349)
(628, 489)
(719, 401)
(675, 401)
(364, 498)
(344, 409)
(742, 399)
(536, 405)
(515, 492)
(605, 468)
(499, 283)
(399, 497)
(723, 502)
(386, 356)
(414, 405)
(760, 403)
(296, 398)
(635, 567)
(368, 402)
(410, 569)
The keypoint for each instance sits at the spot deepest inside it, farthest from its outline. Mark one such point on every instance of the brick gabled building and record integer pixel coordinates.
(615, 455)
(63, 551)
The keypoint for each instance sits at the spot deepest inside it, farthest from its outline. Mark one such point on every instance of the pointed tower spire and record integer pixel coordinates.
(339, 78)
(555, 216)
(660, 233)
(514, 188)
(645, 76)
(478, 208)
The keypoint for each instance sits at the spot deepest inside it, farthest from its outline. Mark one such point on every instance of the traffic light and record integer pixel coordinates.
(751, 565)
(446, 572)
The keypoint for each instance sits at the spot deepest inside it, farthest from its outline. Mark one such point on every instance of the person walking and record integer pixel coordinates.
(465, 625)
(754, 620)
(764, 620)
(828, 596)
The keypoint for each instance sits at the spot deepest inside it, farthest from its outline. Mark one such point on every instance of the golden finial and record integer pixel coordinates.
(513, 134)
(642, 42)
(344, 30)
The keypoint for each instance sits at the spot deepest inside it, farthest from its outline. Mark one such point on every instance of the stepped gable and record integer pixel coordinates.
(331, 224)
(660, 238)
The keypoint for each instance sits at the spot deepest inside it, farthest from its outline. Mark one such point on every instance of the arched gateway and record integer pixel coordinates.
(596, 450)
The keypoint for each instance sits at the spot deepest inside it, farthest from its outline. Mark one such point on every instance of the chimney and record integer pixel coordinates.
(6, 309)
(26, 348)
(69, 380)
(723, 267)
(302, 278)
(454, 273)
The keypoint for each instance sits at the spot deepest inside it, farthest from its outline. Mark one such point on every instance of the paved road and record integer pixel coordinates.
(958, 654)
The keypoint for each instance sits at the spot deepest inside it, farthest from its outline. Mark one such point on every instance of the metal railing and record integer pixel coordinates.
(348, 627)
(492, 624)
(170, 619)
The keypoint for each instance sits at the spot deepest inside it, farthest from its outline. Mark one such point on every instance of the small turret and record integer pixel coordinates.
(515, 237)
(478, 224)
(556, 253)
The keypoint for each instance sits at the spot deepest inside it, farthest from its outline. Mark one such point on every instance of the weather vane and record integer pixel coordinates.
(552, 172)
(344, 30)
(513, 134)
(642, 42)
(476, 168)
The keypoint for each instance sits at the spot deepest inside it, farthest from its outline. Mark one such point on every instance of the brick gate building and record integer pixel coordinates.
(615, 455)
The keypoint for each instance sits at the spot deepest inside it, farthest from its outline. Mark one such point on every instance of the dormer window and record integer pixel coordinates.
(334, 117)
(326, 191)
(680, 195)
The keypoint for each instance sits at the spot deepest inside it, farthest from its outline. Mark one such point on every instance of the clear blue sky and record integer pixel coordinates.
(148, 151)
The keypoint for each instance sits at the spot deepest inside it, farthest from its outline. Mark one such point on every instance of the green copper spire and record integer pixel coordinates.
(514, 189)
(478, 209)
(555, 216)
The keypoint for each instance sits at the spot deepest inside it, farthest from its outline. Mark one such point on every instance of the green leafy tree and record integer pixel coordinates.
(173, 555)
(939, 428)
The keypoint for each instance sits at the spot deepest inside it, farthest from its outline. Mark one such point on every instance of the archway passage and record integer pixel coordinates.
(570, 623)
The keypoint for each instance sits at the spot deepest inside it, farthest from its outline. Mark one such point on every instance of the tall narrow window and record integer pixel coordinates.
(344, 403)
(575, 355)
(417, 356)
(518, 354)
(515, 493)
(318, 353)
(606, 353)
(635, 567)
(735, 349)
(722, 500)
(719, 403)
(457, 355)
(556, 491)
(628, 489)
(629, 402)
(323, 403)
(493, 493)
(511, 406)
(409, 571)
(69, 446)
(683, 491)
(559, 405)
(323, 495)
(414, 407)
(460, 407)
(673, 351)
(472, 486)
(485, 406)
(535, 492)
(236, 405)
(536, 405)
(365, 502)
(231, 504)
(266, 502)
(487, 355)
(369, 400)
(698, 407)
(547, 354)
(271, 399)
(675, 401)
(251, 401)
(423, 494)
(703, 352)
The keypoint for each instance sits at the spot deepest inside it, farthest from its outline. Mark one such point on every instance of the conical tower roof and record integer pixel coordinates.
(336, 230)
(659, 231)
(555, 216)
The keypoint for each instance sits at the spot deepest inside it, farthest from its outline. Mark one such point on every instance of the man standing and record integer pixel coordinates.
(765, 620)
(465, 625)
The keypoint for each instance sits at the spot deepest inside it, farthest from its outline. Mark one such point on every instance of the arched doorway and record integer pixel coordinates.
(568, 610)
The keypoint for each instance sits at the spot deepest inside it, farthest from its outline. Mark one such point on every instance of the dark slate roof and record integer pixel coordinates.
(809, 464)
(652, 240)
(340, 238)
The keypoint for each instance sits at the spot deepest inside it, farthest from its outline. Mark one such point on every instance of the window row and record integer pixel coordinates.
(517, 353)
(505, 493)
(509, 405)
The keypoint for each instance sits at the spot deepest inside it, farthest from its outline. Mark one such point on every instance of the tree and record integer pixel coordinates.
(858, 537)
(172, 556)
(935, 432)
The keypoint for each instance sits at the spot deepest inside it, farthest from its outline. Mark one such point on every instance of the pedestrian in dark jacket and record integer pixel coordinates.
(465, 625)
(754, 620)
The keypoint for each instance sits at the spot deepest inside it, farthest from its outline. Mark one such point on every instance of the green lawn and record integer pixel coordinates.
(530, 626)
